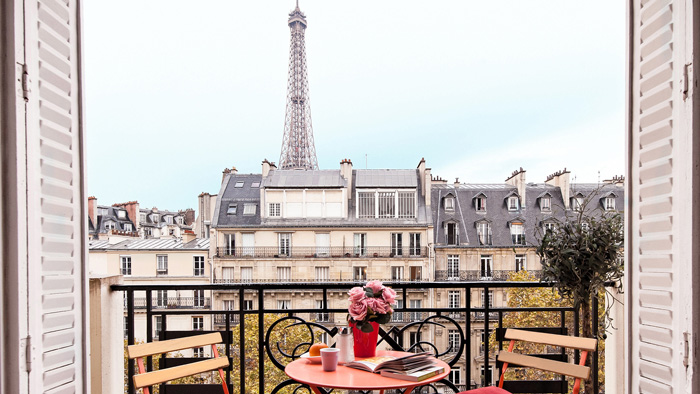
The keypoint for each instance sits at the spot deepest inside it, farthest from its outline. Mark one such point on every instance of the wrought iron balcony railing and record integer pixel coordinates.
(477, 275)
(302, 252)
(410, 329)
(173, 302)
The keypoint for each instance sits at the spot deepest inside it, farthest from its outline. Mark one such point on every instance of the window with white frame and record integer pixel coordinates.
(407, 205)
(386, 202)
(229, 305)
(229, 244)
(486, 267)
(199, 300)
(147, 231)
(359, 274)
(520, 262)
(453, 341)
(247, 305)
(480, 204)
(284, 274)
(125, 265)
(322, 274)
(142, 218)
(610, 203)
(284, 244)
(284, 304)
(128, 227)
(360, 244)
(453, 301)
(396, 244)
(227, 274)
(179, 220)
(323, 244)
(198, 265)
(197, 323)
(517, 233)
(451, 233)
(121, 214)
(238, 184)
(365, 205)
(545, 204)
(397, 316)
(321, 316)
(486, 375)
(246, 274)
(414, 338)
(249, 209)
(397, 273)
(415, 273)
(157, 326)
(110, 226)
(255, 185)
(198, 352)
(456, 375)
(162, 268)
(453, 266)
(548, 226)
(577, 202)
(232, 209)
(169, 219)
(449, 203)
(513, 203)
(414, 244)
(415, 316)
(487, 301)
(483, 232)
(162, 298)
(274, 209)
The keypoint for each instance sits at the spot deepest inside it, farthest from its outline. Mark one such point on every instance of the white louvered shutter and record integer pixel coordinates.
(56, 235)
(659, 225)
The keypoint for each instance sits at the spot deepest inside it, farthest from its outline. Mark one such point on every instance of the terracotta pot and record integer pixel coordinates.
(365, 342)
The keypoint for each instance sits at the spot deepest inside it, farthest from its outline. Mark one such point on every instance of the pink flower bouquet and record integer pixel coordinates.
(371, 303)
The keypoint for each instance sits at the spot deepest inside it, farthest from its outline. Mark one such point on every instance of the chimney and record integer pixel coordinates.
(429, 186)
(346, 173)
(438, 180)
(616, 180)
(421, 176)
(92, 210)
(266, 168)
(560, 179)
(225, 172)
(456, 182)
(189, 216)
(517, 179)
(132, 212)
(188, 236)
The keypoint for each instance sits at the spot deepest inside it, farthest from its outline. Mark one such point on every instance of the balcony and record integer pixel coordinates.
(410, 329)
(335, 252)
(173, 303)
(476, 275)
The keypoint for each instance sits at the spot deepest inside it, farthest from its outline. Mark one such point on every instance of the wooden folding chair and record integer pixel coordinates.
(579, 372)
(145, 379)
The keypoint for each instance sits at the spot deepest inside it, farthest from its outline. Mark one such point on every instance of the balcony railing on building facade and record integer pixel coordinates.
(173, 302)
(477, 275)
(302, 252)
(417, 328)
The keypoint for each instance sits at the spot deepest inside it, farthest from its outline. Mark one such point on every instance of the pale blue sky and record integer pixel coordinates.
(176, 91)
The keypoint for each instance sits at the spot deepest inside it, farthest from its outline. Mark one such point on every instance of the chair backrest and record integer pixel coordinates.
(145, 379)
(579, 371)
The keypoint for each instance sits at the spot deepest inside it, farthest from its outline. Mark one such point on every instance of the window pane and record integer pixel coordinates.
(365, 204)
(407, 204)
(386, 201)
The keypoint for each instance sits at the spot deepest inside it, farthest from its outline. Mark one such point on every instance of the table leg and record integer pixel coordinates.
(409, 389)
(315, 389)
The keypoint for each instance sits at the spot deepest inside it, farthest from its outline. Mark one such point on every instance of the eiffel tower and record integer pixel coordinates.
(298, 151)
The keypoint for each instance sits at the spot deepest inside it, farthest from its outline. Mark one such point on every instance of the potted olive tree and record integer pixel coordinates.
(582, 253)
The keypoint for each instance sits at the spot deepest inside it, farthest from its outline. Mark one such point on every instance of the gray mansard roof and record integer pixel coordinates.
(465, 215)
(290, 179)
(201, 244)
(110, 216)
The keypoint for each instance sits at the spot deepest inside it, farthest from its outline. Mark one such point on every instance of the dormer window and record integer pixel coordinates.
(449, 203)
(546, 204)
(577, 202)
(102, 211)
(452, 233)
(169, 219)
(255, 185)
(610, 203)
(517, 233)
(513, 203)
(249, 209)
(155, 218)
(121, 214)
(109, 226)
(142, 218)
(548, 226)
(483, 232)
(238, 184)
(179, 220)
(232, 209)
(128, 227)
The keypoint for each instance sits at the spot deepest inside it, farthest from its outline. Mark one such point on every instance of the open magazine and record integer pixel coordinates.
(413, 362)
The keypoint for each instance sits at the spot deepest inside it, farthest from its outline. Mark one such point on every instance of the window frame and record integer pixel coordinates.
(522, 264)
(284, 244)
(486, 266)
(198, 298)
(513, 203)
(232, 209)
(546, 204)
(414, 244)
(284, 273)
(161, 264)
(125, 269)
(248, 207)
(453, 267)
(449, 203)
(197, 323)
(161, 298)
(195, 270)
(360, 248)
(396, 244)
(274, 210)
(359, 273)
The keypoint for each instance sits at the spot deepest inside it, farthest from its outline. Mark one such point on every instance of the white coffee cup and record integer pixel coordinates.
(329, 358)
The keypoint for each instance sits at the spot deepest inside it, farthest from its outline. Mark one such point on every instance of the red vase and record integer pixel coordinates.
(365, 342)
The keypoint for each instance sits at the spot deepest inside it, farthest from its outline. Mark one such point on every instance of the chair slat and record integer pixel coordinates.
(164, 375)
(575, 370)
(171, 345)
(553, 339)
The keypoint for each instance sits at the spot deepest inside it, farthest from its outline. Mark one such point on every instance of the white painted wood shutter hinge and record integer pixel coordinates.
(686, 348)
(25, 83)
(686, 80)
(28, 352)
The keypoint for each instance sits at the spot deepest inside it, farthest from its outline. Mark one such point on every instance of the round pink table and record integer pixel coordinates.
(354, 379)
